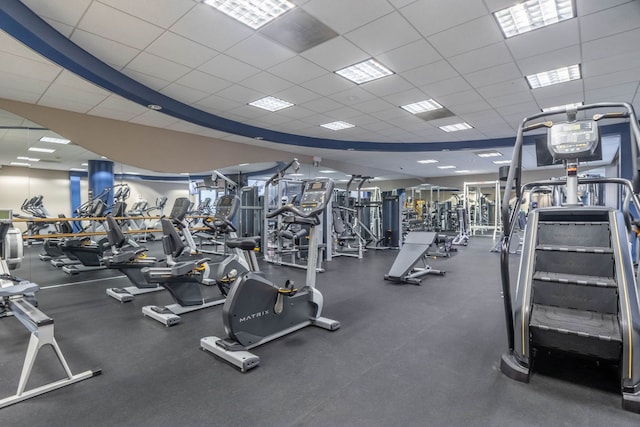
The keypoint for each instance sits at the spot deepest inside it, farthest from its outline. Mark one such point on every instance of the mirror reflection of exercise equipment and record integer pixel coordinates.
(482, 203)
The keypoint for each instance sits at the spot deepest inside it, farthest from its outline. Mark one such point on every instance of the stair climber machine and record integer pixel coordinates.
(577, 290)
(186, 273)
(17, 299)
(126, 256)
(257, 310)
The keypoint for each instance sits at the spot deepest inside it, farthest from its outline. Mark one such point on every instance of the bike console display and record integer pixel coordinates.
(573, 140)
(315, 196)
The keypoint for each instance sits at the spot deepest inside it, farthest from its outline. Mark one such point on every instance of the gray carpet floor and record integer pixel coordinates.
(405, 356)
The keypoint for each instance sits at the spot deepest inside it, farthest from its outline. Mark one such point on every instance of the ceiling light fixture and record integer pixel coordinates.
(271, 103)
(20, 164)
(446, 167)
(55, 140)
(327, 171)
(552, 77)
(561, 107)
(502, 162)
(456, 127)
(42, 150)
(30, 159)
(154, 107)
(533, 14)
(422, 106)
(339, 125)
(365, 71)
(77, 169)
(426, 162)
(254, 13)
(462, 171)
(485, 154)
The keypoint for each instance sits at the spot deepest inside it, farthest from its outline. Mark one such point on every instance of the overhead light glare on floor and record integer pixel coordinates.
(561, 107)
(533, 14)
(254, 13)
(20, 164)
(42, 150)
(53, 140)
(456, 127)
(428, 161)
(553, 77)
(365, 71)
(271, 103)
(491, 153)
(446, 167)
(502, 162)
(29, 159)
(339, 125)
(422, 106)
(295, 174)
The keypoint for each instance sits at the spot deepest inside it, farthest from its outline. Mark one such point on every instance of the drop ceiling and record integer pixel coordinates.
(451, 51)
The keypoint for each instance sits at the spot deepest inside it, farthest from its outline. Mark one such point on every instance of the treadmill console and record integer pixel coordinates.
(315, 196)
(573, 140)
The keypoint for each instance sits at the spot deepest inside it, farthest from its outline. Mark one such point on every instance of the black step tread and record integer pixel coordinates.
(578, 279)
(586, 324)
(568, 248)
(585, 223)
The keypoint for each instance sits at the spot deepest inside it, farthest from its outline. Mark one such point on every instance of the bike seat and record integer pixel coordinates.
(244, 243)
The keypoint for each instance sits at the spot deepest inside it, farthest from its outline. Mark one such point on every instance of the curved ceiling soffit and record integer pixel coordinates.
(24, 25)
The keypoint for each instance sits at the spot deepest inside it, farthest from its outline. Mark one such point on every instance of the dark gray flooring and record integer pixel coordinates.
(405, 356)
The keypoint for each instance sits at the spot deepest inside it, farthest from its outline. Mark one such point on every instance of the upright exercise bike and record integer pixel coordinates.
(258, 311)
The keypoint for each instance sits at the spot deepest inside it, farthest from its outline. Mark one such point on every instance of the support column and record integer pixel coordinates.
(101, 177)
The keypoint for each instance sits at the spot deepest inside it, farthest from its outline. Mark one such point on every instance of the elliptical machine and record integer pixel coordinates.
(258, 311)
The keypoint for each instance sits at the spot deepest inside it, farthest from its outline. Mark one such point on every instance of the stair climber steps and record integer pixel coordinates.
(579, 249)
(577, 279)
(586, 234)
(588, 263)
(576, 331)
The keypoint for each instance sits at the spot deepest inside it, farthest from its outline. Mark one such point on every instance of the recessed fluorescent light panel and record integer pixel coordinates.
(295, 174)
(364, 72)
(502, 162)
(77, 170)
(30, 159)
(561, 107)
(426, 162)
(489, 154)
(327, 171)
(552, 77)
(55, 140)
(462, 171)
(533, 14)
(339, 125)
(422, 106)
(42, 150)
(271, 103)
(456, 127)
(19, 164)
(254, 13)
(446, 167)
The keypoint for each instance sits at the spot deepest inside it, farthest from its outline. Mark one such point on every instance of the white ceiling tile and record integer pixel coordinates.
(345, 15)
(328, 84)
(610, 64)
(618, 93)
(78, 84)
(154, 118)
(296, 112)
(10, 45)
(68, 12)
(521, 110)
(244, 112)
(460, 98)
(373, 105)
(228, 68)
(572, 89)
(469, 107)
(322, 105)
(587, 7)
(431, 73)
(496, 5)
(617, 44)
(489, 76)
(510, 99)
(612, 79)
(19, 88)
(217, 104)
(335, 54)
(431, 17)
(241, 94)
(554, 101)
(183, 93)
(446, 87)
(28, 68)
(274, 119)
(211, 28)
(296, 94)
(114, 53)
(387, 85)
(466, 37)
(354, 95)
(159, 12)
(344, 113)
(550, 60)
(155, 66)
(181, 50)
(610, 21)
(511, 87)
(64, 103)
(266, 83)
(401, 3)
(199, 80)
(117, 108)
(260, 52)
(410, 56)
(478, 59)
(297, 70)
(537, 42)
(64, 29)
(375, 37)
(406, 97)
(112, 24)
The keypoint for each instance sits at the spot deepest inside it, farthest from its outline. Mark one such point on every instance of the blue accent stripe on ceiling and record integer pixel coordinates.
(23, 24)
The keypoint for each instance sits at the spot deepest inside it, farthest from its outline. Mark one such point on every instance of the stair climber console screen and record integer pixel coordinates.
(573, 140)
